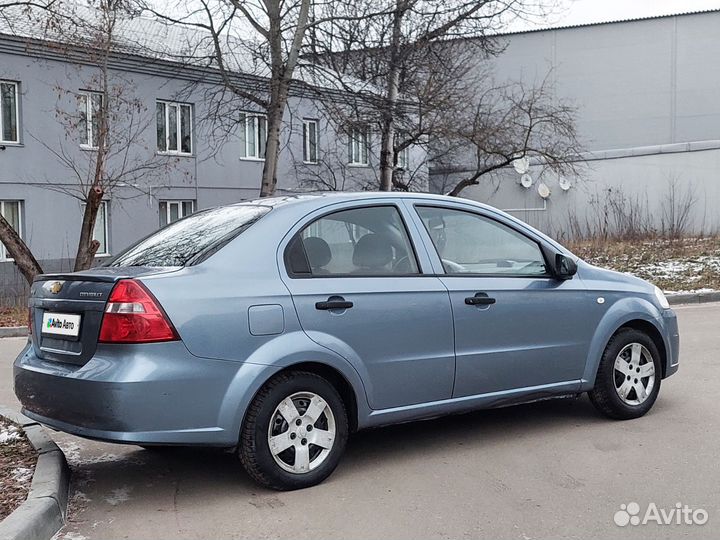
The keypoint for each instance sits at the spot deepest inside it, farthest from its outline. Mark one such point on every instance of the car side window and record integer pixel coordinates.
(367, 241)
(469, 243)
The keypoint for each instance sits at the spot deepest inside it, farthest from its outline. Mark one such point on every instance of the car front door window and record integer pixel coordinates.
(469, 243)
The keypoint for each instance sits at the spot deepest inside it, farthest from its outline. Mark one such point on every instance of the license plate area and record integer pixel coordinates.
(61, 325)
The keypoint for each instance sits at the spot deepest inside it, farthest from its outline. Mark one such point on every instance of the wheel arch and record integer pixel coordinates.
(653, 333)
(336, 378)
(634, 313)
(293, 351)
(348, 393)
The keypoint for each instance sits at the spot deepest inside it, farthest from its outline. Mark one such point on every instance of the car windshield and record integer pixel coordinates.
(193, 239)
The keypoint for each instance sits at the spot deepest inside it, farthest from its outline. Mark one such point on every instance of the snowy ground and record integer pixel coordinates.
(683, 265)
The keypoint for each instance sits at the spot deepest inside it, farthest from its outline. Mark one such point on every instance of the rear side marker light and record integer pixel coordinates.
(133, 315)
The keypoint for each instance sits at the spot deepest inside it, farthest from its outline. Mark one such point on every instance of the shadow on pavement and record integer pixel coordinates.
(206, 472)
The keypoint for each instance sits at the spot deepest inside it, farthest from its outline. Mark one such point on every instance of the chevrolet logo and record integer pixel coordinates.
(54, 287)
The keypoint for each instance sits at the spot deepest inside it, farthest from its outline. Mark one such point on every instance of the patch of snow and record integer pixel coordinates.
(70, 535)
(119, 495)
(71, 450)
(102, 458)
(9, 434)
(80, 498)
(23, 475)
(691, 291)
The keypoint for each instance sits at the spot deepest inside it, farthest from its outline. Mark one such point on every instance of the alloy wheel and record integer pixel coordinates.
(634, 374)
(302, 432)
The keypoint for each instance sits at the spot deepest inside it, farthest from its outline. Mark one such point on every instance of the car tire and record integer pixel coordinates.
(294, 432)
(628, 377)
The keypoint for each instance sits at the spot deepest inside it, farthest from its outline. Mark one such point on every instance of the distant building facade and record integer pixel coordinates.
(47, 133)
(646, 92)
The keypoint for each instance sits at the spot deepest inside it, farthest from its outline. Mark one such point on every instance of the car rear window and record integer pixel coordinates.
(193, 239)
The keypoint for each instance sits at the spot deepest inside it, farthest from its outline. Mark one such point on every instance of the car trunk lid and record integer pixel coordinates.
(67, 310)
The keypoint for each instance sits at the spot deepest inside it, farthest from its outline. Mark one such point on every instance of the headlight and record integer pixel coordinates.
(661, 298)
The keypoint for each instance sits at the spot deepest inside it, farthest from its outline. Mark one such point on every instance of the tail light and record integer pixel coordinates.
(30, 317)
(133, 315)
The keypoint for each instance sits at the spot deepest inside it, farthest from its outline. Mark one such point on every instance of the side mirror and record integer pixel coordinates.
(565, 267)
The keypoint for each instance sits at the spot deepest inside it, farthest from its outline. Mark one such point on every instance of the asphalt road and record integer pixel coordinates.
(547, 470)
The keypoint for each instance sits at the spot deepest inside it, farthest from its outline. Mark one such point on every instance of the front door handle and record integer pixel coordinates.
(334, 303)
(480, 299)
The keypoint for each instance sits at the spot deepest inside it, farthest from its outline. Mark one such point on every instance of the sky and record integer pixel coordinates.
(589, 11)
(568, 12)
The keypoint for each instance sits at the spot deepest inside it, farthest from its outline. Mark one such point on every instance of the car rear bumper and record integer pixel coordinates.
(150, 394)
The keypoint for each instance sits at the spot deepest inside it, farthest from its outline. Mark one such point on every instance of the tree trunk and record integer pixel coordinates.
(18, 250)
(272, 146)
(87, 246)
(387, 141)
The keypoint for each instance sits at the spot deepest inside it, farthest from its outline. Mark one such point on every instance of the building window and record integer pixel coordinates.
(171, 211)
(310, 141)
(9, 112)
(403, 155)
(403, 158)
(358, 145)
(90, 105)
(253, 135)
(100, 232)
(174, 127)
(11, 211)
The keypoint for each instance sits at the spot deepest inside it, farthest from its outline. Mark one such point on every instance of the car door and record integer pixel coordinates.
(516, 327)
(359, 290)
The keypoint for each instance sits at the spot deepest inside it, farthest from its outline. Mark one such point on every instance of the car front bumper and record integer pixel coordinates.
(140, 394)
(672, 345)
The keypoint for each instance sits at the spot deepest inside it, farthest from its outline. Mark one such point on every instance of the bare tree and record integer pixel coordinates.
(274, 34)
(19, 251)
(14, 11)
(502, 124)
(386, 41)
(106, 127)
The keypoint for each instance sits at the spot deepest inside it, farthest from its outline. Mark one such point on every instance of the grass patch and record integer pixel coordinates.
(17, 463)
(13, 316)
(683, 264)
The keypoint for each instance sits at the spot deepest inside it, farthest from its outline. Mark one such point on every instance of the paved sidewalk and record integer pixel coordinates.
(553, 469)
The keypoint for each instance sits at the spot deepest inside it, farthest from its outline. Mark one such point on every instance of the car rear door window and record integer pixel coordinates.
(367, 241)
(469, 243)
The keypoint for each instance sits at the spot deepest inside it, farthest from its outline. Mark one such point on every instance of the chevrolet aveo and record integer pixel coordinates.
(279, 326)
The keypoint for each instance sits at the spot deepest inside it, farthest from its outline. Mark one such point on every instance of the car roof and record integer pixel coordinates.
(303, 202)
(342, 196)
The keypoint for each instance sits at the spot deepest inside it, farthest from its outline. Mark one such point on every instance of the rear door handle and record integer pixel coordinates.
(480, 299)
(333, 304)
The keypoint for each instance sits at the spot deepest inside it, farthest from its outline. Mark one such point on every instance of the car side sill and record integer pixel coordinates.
(423, 411)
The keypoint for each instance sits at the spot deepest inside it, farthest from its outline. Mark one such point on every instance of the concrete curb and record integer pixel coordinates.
(693, 298)
(43, 512)
(13, 331)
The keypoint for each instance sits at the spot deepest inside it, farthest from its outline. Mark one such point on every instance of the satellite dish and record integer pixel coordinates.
(543, 190)
(564, 183)
(522, 165)
(526, 181)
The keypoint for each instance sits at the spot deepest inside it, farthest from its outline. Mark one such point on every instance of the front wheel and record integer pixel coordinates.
(628, 378)
(294, 432)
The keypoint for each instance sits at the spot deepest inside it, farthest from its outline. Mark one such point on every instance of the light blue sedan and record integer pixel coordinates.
(279, 326)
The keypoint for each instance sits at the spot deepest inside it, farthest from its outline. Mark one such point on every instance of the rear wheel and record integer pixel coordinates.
(294, 432)
(628, 378)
